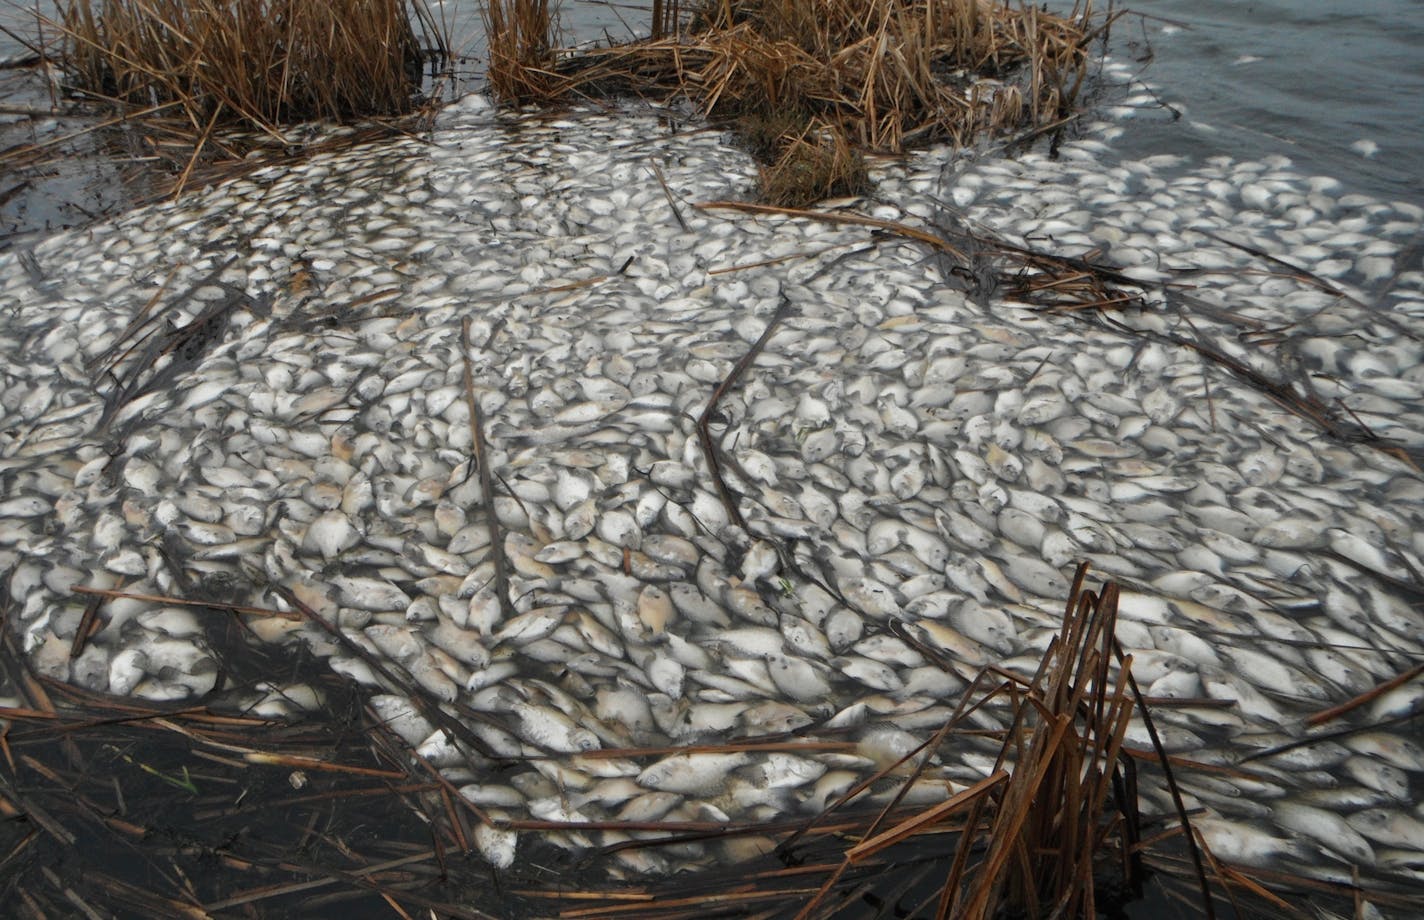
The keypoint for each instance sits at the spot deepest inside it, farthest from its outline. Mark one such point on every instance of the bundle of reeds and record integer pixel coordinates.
(521, 37)
(256, 63)
(1063, 819)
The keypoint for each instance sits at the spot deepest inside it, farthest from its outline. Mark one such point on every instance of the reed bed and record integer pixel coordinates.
(816, 86)
(201, 85)
(255, 63)
(521, 36)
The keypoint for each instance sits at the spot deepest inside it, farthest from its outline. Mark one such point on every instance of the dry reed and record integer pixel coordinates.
(521, 37)
(1062, 821)
(806, 81)
(250, 63)
(818, 164)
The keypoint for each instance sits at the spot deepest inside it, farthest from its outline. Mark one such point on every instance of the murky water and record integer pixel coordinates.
(1231, 83)
(1303, 78)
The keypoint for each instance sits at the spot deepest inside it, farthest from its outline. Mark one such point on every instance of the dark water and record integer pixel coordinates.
(1301, 78)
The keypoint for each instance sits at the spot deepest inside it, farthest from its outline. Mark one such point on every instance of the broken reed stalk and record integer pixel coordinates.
(248, 65)
(480, 458)
(1051, 829)
(704, 433)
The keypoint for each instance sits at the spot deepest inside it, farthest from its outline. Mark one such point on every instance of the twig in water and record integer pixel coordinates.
(860, 220)
(705, 437)
(672, 202)
(477, 440)
(1374, 693)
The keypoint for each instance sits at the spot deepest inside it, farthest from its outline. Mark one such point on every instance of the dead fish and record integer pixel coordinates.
(691, 774)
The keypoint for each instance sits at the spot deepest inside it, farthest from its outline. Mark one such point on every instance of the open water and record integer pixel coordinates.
(1337, 87)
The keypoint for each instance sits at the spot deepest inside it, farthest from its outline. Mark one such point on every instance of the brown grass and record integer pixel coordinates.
(253, 63)
(521, 37)
(1058, 828)
(881, 75)
(819, 164)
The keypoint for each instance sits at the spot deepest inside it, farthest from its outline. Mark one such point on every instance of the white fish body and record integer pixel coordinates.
(551, 729)
(691, 774)
(1327, 829)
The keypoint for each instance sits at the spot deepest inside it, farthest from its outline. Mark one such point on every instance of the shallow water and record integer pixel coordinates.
(1302, 78)
(940, 460)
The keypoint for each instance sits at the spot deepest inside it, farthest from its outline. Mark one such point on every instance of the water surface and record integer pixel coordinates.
(1302, 78)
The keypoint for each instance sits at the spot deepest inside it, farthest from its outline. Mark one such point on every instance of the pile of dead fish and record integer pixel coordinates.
(262, 387)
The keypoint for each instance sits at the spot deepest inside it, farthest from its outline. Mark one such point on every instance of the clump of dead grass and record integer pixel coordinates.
(1062, 824)
(880, 74)
(202, 85)
(248, 63)
(817, 165)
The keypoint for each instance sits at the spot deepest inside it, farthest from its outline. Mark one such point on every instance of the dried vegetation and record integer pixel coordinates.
(256, 63)
(816, 86)
(203, 84)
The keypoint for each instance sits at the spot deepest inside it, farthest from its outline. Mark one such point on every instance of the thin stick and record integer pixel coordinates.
(311, 763)
(1335, 712)
(704, 436)
(667, 193)
(296, 887)
(86, 627)
(1177, 803)
(107, 123)
(837, 217)
(869, 847)
(184, 602)
(481, 459)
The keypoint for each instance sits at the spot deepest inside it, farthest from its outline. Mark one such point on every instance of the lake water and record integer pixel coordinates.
(1303, 78)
